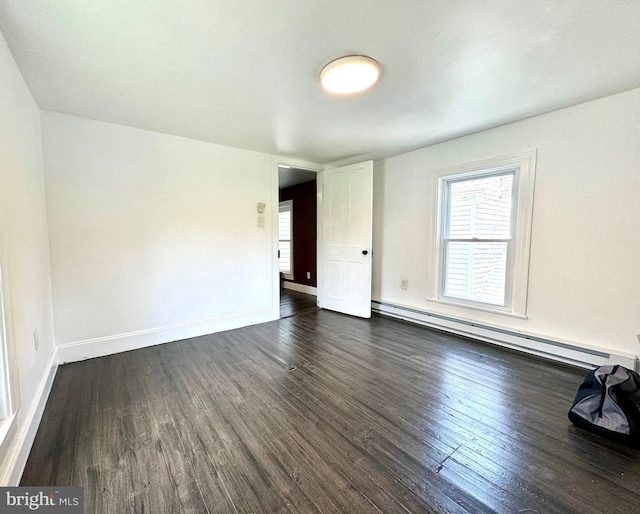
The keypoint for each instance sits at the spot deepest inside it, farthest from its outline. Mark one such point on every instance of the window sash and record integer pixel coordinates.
(471, 287)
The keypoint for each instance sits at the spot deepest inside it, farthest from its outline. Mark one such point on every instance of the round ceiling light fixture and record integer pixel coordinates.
(350, 74)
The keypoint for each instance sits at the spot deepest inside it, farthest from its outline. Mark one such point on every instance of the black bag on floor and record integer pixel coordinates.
(608, 403)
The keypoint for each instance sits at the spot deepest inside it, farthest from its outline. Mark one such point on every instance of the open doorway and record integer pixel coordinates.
(297, 240)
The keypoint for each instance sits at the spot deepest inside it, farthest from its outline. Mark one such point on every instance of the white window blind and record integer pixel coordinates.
(285, 243)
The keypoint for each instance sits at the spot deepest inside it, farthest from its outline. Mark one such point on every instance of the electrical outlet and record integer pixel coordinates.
(404, 283)
(36, 340)
(308, 275)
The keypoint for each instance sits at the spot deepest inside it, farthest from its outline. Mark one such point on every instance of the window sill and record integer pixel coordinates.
(477, 308)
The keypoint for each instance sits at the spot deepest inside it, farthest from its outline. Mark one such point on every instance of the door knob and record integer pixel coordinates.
(365, 252)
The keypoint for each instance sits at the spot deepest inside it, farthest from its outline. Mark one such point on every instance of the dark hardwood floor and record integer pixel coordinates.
(321, 412)
(293, 303)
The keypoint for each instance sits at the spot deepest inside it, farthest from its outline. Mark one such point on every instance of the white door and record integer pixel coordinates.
(347, 201)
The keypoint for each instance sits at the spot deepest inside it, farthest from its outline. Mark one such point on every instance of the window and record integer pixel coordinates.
(285, 243)
(477, 237)
(5, 407)
(483, 231)
(8, 403)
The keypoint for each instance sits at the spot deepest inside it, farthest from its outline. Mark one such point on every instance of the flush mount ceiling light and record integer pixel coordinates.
(350, 74)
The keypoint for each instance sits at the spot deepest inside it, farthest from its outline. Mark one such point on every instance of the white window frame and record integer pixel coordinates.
(9, 385)
(287, 205)
(522, 164)
(5, 372)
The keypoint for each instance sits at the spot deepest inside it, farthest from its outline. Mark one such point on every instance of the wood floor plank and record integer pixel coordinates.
(294, 302)
(320, 412)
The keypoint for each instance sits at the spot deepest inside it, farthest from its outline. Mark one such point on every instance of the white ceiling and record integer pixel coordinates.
(288, 177)
(245, 73)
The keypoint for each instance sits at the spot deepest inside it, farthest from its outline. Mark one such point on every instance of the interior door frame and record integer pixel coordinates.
(275, 197)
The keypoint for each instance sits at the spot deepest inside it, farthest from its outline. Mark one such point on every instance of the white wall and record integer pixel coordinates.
(153, 237)
(25, 261)
(584, 282)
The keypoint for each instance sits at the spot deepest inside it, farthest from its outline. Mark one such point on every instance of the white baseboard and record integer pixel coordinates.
(564, 351)
(101, 346)
(301, 288)
(17, 456)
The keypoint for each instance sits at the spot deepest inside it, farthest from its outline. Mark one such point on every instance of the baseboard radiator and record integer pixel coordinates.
(561, 351)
